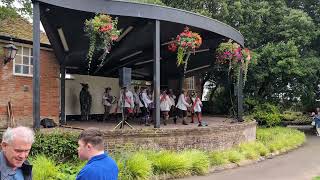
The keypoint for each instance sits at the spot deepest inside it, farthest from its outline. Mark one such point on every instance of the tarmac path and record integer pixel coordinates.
(300, 164)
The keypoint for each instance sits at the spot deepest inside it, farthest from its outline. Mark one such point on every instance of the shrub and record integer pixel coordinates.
(199, 161)
(70, 170)
(234, 156)
(171, 163)
(248, 150)
(217, 158)
(44, 168)
(139, 166)
(267, 115)
(60, 146)
(295, 118)
(261, 149)
(290, 115)
(124, 172)
(280, 138)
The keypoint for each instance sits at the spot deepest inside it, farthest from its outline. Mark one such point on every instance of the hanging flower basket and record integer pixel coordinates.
(236, 57)
(102, 31)
(185, 43)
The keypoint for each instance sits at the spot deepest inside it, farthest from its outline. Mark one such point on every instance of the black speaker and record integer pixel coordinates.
(124, 77)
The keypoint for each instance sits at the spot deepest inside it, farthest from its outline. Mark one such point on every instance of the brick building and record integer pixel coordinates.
(16, 76)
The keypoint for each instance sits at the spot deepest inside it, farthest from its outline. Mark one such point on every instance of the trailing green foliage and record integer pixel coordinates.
(61, 146)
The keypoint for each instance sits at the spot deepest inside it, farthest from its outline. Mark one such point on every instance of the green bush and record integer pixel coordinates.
(249, 151)
(61, 146)
(217, 158)
(167, 162)
(199, 161)
(139, 166)
(261, 149)
(70, 170)
(124, 172)
(290, 115)
(267, 115)
(44, 168)
(144, 164)
(234, 156)
(280, 138)
(295, 118)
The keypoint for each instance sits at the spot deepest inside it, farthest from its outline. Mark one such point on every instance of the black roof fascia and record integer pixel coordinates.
(150, 11)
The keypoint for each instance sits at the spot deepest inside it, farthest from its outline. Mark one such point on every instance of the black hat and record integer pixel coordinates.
(84, 84)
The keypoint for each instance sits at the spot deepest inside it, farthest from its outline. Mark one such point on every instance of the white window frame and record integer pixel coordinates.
(29, 65)
(191, 83)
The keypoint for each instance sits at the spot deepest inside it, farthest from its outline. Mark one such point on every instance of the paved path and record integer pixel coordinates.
(300, 164)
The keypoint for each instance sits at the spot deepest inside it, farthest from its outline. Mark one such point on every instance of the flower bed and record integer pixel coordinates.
(169, 164)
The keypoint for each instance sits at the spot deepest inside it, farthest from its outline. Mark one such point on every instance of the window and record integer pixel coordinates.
(23, 63)
(190, 83)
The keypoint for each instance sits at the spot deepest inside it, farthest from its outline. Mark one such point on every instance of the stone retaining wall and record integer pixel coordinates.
(216, 137)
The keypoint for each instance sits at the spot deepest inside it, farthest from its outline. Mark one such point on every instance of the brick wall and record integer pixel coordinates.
(18, 90)
(207, 138)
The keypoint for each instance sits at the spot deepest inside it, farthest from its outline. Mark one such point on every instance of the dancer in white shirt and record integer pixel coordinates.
(196, 108)
(165, 105)
(182, 105)
(145, 100)
(107, 101)
(127, 102)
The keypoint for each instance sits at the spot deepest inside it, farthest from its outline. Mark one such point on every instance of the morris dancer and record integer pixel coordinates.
(196, 108)
(165, 104)
(182, 105)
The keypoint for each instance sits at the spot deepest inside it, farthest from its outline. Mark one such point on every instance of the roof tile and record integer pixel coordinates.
(20, 28)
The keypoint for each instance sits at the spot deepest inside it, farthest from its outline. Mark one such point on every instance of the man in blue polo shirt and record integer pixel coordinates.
(100, 166)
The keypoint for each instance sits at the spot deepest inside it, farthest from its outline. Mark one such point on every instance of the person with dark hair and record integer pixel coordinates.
(165, 105)
(100, 165)
(137, 102)
(173, 111)
(146, 101)
(127, 103)
(196, 107)
(85, 102)
(183, 106)
(107, 103)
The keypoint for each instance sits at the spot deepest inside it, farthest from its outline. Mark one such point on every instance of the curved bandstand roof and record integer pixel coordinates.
(135, 47)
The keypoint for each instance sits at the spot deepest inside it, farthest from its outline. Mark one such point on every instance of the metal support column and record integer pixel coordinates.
(240, 97)
(156, 73)
(36, 65)
(62, 95)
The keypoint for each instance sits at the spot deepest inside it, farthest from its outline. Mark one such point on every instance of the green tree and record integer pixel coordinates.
(24, 8)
